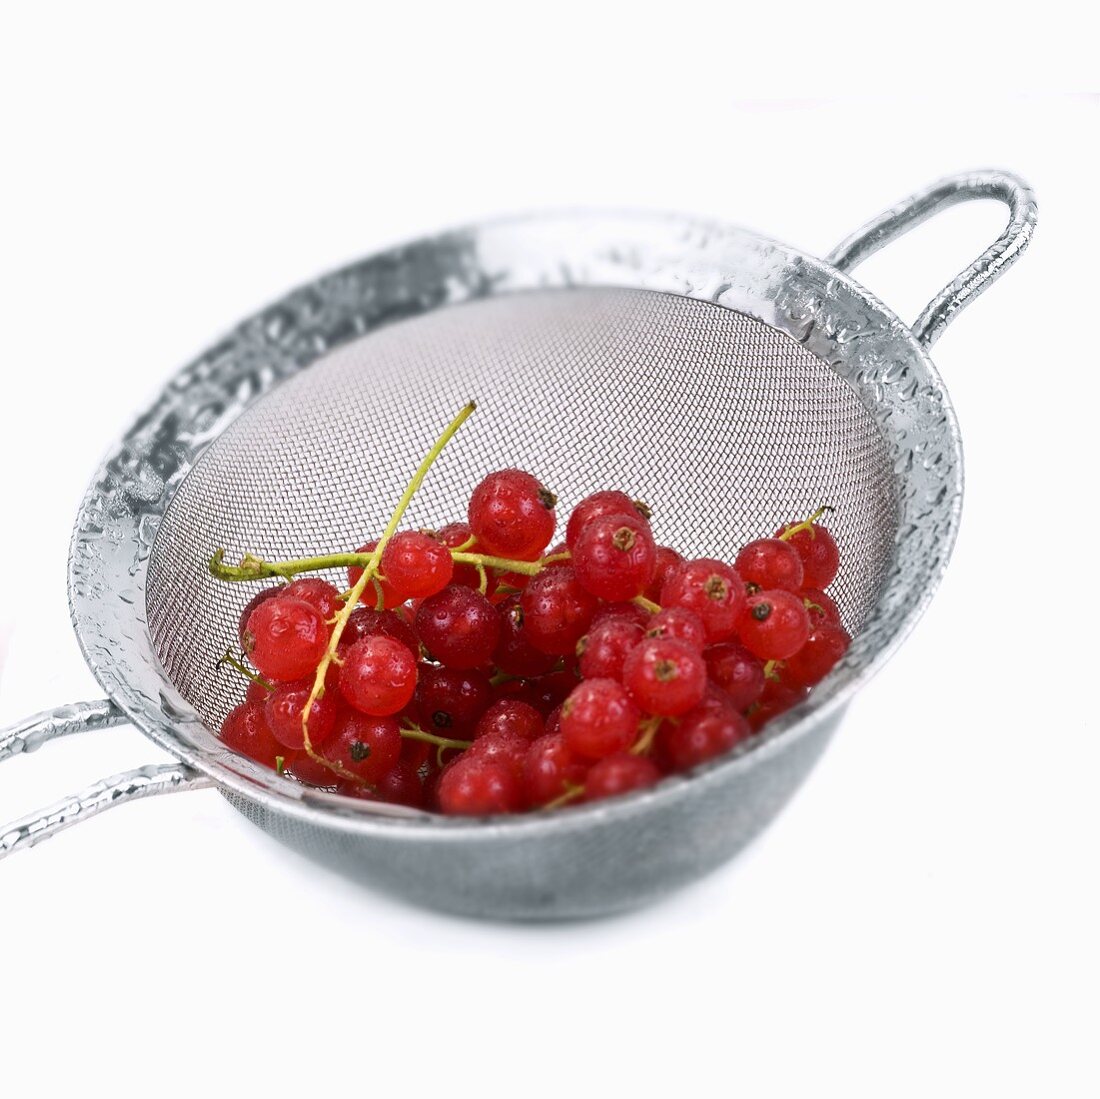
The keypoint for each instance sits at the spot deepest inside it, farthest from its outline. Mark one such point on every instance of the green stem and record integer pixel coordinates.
(248, 673)
(647, 604)
(806, 524)
(649, 727)
(370, 568)
(414, 732)
(571, 794)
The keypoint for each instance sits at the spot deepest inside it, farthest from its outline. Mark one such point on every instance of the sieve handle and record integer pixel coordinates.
(143, 782)
(982, 273)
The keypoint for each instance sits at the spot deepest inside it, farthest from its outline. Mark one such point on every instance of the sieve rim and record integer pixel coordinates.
(818, 305)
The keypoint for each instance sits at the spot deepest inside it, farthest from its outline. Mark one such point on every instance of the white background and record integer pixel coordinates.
(923, 919)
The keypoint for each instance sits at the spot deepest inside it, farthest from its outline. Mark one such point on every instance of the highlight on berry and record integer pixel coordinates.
(483, 668)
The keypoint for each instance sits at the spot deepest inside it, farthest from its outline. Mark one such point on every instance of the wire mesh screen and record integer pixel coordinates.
(725, 426)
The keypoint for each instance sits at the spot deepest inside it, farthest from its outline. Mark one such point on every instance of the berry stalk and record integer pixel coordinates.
(370, 569)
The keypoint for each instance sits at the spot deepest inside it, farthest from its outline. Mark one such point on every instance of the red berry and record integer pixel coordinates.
(401, 785)
(366, 746)
(449, 701)
(665, 677)
(736, 671)
(668, 560)
(549, 768)
(319, 593)
(603, 650)
(416, 565)
(553, 721)
(548, 692)
(512, 515)
(598, 505)
(630, 611)
(245, 730)
(250, 606)
(454, 535)
(769, 563)
(680, 624)
(256, 692)
(504, 747)
(511, 716)
(820, 607)
(615, 556)
(390, 596)
(283, 710)
(285, 639)
(777, 699)
(514, 654)
(599, 719)
(366, 622)
(459, 627)
(619, 775)
(378, 676)
(306, 769)
(813, 662)
(474, 787)
(707, 731)
(774, 625)
(819, 553)
(710, 588)
(556, 611)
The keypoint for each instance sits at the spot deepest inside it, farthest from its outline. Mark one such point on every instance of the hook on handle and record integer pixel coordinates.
(982, 273)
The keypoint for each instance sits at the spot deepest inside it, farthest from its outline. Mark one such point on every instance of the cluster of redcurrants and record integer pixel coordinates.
(487, 674)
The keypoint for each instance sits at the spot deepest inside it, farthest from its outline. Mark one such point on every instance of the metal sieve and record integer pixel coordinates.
(730, 381)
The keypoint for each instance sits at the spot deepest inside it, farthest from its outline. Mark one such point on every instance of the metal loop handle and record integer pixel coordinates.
(982, 273)
(28, 735)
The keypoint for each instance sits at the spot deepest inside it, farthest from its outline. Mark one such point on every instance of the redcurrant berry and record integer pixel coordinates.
(556, 611)
(308, 770)
(813, 662)
(547, 692)
(401, 785)
(774, 625)
(449, 701)
(598, 505)
(819, 553)
(390, 596)
(769, 563)
(285, 639)
(320, 593)
(778, 698)
(474, 787)
(605, 647)
(549, 769)
(709, 730)
(510, 716)
(599, 719)
(245, 730)
(366, 622)
(615, 556)
(459, 627)
(514, 654)
(681, 625)
(630, 611)
(736, 671)
(820, 607)
(378, 676)
(504, 747)
(619, 774)
(283, 710)
(668, 560)
(665, 677)
(366, 746)
(710, 588)
(452, 536)
(512, 515)
(250, 606)
(417, 565)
